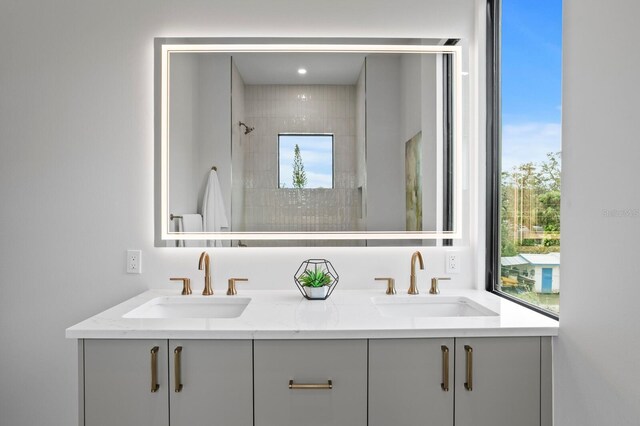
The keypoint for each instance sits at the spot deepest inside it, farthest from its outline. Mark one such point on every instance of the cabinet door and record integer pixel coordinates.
(217, 382)
(118, 380)
(505, 381)
(411, 382)
(312, 363)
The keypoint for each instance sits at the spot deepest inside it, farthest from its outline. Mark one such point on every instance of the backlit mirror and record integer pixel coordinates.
(307, 144)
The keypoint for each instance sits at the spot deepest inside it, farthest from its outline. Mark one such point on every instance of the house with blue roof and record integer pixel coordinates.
(543, 270)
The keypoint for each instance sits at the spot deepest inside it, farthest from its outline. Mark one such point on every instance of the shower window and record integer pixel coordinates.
(305, 160)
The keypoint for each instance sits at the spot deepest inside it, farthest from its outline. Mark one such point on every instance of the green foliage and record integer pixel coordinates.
(549, 215)
(315, 278)
(529, 202)
(507, 247)
(299, 175)
(550, 172)
(543, 249)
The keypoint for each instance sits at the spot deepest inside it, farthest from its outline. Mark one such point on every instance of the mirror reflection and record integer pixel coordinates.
(307, 142)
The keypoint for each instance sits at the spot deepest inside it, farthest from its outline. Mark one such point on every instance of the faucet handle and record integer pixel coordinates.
(434, 285)
(391, 284)
(231, 291)
(186, 285)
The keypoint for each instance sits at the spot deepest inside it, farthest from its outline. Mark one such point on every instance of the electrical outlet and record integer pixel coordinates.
(134, 261)
(452, 263)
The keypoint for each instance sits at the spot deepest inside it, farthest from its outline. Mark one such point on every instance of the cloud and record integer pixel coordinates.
(319, 180)
(529, 142)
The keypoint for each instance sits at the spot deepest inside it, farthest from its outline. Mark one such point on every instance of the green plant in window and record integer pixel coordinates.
(299, 175)
(315, 278)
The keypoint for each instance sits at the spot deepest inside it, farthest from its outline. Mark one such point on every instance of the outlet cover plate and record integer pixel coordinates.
(134, 261)
(452, 261)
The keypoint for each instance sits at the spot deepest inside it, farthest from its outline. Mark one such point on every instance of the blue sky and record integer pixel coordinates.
(316, 152)
(531, 80)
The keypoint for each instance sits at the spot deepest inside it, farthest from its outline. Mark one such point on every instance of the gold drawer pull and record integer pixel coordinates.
(177, 355)
(445, 368)
(468, 385)
(328, 385)
(154, 369)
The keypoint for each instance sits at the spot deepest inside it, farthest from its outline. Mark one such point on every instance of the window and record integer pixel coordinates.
(523, 151)
(305, 161)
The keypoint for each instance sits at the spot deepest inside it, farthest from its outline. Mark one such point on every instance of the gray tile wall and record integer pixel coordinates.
(275, 109)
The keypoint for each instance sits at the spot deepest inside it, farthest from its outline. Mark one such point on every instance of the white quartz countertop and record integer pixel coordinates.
(346, 314)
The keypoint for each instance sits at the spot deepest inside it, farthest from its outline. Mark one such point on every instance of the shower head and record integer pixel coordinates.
(247, 129)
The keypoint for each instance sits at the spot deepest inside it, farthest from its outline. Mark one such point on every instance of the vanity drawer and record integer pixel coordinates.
(335, 369)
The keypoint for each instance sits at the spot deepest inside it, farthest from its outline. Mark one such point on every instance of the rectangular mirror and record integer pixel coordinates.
(307, 143)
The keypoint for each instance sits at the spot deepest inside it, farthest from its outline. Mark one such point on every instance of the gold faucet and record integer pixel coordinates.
(391, 285)
(434, 285)
(413, 288)
(204, 258)
(186, 285)
(231, 291)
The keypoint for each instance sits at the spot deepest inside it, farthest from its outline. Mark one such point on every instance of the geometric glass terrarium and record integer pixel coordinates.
(316, 279)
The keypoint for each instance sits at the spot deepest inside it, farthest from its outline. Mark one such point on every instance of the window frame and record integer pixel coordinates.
(493, 157)
(333, 155)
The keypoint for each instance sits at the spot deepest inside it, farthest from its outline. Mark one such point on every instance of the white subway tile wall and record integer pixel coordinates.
(276, 109)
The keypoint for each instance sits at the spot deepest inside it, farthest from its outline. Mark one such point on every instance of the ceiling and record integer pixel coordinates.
(282, 68)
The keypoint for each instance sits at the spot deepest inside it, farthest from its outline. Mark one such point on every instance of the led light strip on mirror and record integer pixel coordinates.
(163, 128)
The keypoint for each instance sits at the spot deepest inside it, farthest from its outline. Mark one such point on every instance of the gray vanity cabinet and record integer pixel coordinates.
(118, 383)
(211, 382)
(401, 382)
(503, 381)
(411, 382)
(310, 382)
(216, 378)
(492, 382)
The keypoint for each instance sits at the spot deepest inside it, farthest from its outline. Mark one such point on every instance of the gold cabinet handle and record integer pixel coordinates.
(154, 369)
(445, 368)
(177, 357)
(328, 385)
(468, 385)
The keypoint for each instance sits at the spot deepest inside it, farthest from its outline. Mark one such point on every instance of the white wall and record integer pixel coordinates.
(596, 354)
(401, 101)
(76, 167)
(238, 144)
(184, 182)
(361, 148)
(213, 118)
(385, 188)
(418, 113)
(199, 129)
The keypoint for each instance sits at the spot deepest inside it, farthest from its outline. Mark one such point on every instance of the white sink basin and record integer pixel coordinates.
(191, 307)
(429, 306)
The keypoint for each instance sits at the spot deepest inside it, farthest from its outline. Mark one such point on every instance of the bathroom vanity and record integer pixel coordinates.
(275, 358)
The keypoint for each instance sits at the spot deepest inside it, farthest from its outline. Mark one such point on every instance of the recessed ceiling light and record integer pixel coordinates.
(302, 71)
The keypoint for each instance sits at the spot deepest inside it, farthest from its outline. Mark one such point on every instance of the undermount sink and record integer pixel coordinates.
(191, 307)
(429, 306)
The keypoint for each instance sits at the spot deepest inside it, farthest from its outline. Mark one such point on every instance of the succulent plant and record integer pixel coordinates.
(315, 278)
